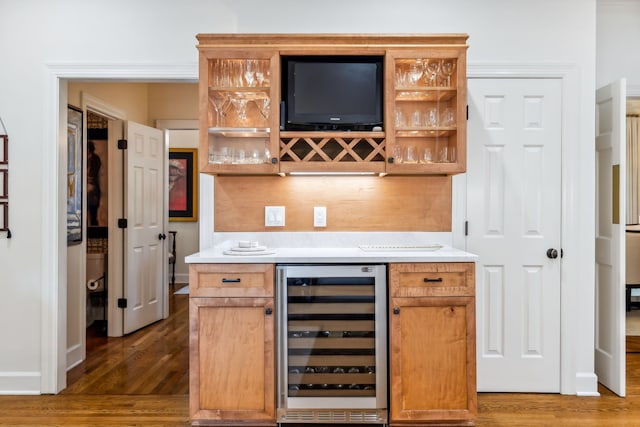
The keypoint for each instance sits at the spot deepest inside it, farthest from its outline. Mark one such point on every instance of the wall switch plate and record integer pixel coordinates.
(319, 216)
(274, 216)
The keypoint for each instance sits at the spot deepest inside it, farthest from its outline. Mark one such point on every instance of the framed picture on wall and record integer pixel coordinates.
(74, 176)
(183, 184)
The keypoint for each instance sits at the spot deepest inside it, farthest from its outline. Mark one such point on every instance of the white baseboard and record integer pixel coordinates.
(20, 383)
(587, 384)
(74, 356)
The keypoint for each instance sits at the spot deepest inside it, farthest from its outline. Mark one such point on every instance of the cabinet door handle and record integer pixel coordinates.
(268, 311)
(427, 280)
(230, 280)
(396, 310)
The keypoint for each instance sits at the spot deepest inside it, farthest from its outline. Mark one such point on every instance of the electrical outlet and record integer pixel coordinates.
(320, 216)
(274, 216)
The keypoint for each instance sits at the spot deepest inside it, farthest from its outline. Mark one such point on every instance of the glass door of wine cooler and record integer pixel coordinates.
(332, 343)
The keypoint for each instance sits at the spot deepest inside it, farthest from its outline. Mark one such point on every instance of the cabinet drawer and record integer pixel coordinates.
(432, 279)
(231, 280)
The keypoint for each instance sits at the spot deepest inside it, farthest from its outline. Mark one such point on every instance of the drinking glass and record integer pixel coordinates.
(448, 65)
(448, 117)
(416, 70)
(263, 105)
(260, 67)
(235, 73)
(240, 105)
(443, 154)
(219, 101)
(433, 69)
(397, 154)
(250, 72)
(431, 118)
(401, 77)
(427, 156)
(412, 155)
(416, 119)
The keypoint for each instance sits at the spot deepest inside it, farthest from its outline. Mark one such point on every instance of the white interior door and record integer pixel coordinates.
(145, 254)
(138, 257)
(514, 217)
(610, 236)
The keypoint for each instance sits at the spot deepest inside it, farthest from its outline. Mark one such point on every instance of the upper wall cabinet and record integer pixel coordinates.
(332, 103)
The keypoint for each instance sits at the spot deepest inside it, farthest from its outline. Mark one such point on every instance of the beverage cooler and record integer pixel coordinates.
(331, 349)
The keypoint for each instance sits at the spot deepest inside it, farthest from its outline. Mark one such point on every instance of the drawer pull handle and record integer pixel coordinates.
(230, 280)
(438, 280)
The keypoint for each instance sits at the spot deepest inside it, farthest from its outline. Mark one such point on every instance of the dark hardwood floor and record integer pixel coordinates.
(151, 361)
(142, 380)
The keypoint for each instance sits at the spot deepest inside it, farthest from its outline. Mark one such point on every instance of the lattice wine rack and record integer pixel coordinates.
(335, 152)
(4, 180)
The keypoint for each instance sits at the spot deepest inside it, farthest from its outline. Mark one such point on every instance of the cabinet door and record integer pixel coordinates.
(432, 279)
(238, 119)
(432, 360)
(231, 360)
(426, 111)
(231, 280)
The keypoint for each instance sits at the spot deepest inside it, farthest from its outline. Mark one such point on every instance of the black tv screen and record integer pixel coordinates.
(332, 92)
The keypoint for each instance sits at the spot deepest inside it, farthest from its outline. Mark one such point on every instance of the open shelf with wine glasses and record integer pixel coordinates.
(239, 114)
(426, 111)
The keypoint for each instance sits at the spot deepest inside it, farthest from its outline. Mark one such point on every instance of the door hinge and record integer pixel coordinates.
(122, 144)
(122, 222)
(467, 112)
(122, 303)
(466, 228)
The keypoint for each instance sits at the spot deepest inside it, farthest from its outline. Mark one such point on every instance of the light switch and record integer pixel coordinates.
(319, 216)
(274, 216)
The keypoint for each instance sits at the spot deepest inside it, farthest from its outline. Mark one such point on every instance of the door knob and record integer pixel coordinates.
(552, 253)
(162, 236)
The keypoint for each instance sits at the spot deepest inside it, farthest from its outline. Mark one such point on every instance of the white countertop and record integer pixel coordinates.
(331, 255)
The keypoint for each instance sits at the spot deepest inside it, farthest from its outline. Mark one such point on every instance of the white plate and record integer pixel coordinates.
(253, 249)
(249, 253)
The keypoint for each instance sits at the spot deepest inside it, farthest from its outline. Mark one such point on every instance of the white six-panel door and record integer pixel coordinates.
(514, 217)
(145, 256)
(610, 236)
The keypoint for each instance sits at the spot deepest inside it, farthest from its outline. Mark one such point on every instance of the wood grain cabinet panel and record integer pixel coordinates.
(432, 347)
(231, 280)
(232, 345)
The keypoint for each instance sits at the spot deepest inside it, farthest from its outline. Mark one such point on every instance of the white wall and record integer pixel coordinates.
(75, 38)
(618, 35)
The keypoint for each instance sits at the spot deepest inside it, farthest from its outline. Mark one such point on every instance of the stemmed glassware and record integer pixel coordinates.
(263, 105)
(260, 72)
(448, 65)
(416, 70)
(219, 101)
(240, 104)
(250, 72)
(433, 69)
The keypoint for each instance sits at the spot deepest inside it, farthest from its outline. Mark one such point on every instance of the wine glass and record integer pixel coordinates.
(219, 101)
(263, 105)
(433, 69)
(448, 65)
(250, 72)
(416, 70)
(260, 67)
(240, 105)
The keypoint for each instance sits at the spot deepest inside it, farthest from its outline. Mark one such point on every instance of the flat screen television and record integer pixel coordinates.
(332, 93)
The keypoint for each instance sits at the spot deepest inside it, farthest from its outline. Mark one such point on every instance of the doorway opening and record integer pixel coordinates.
(97, 197)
